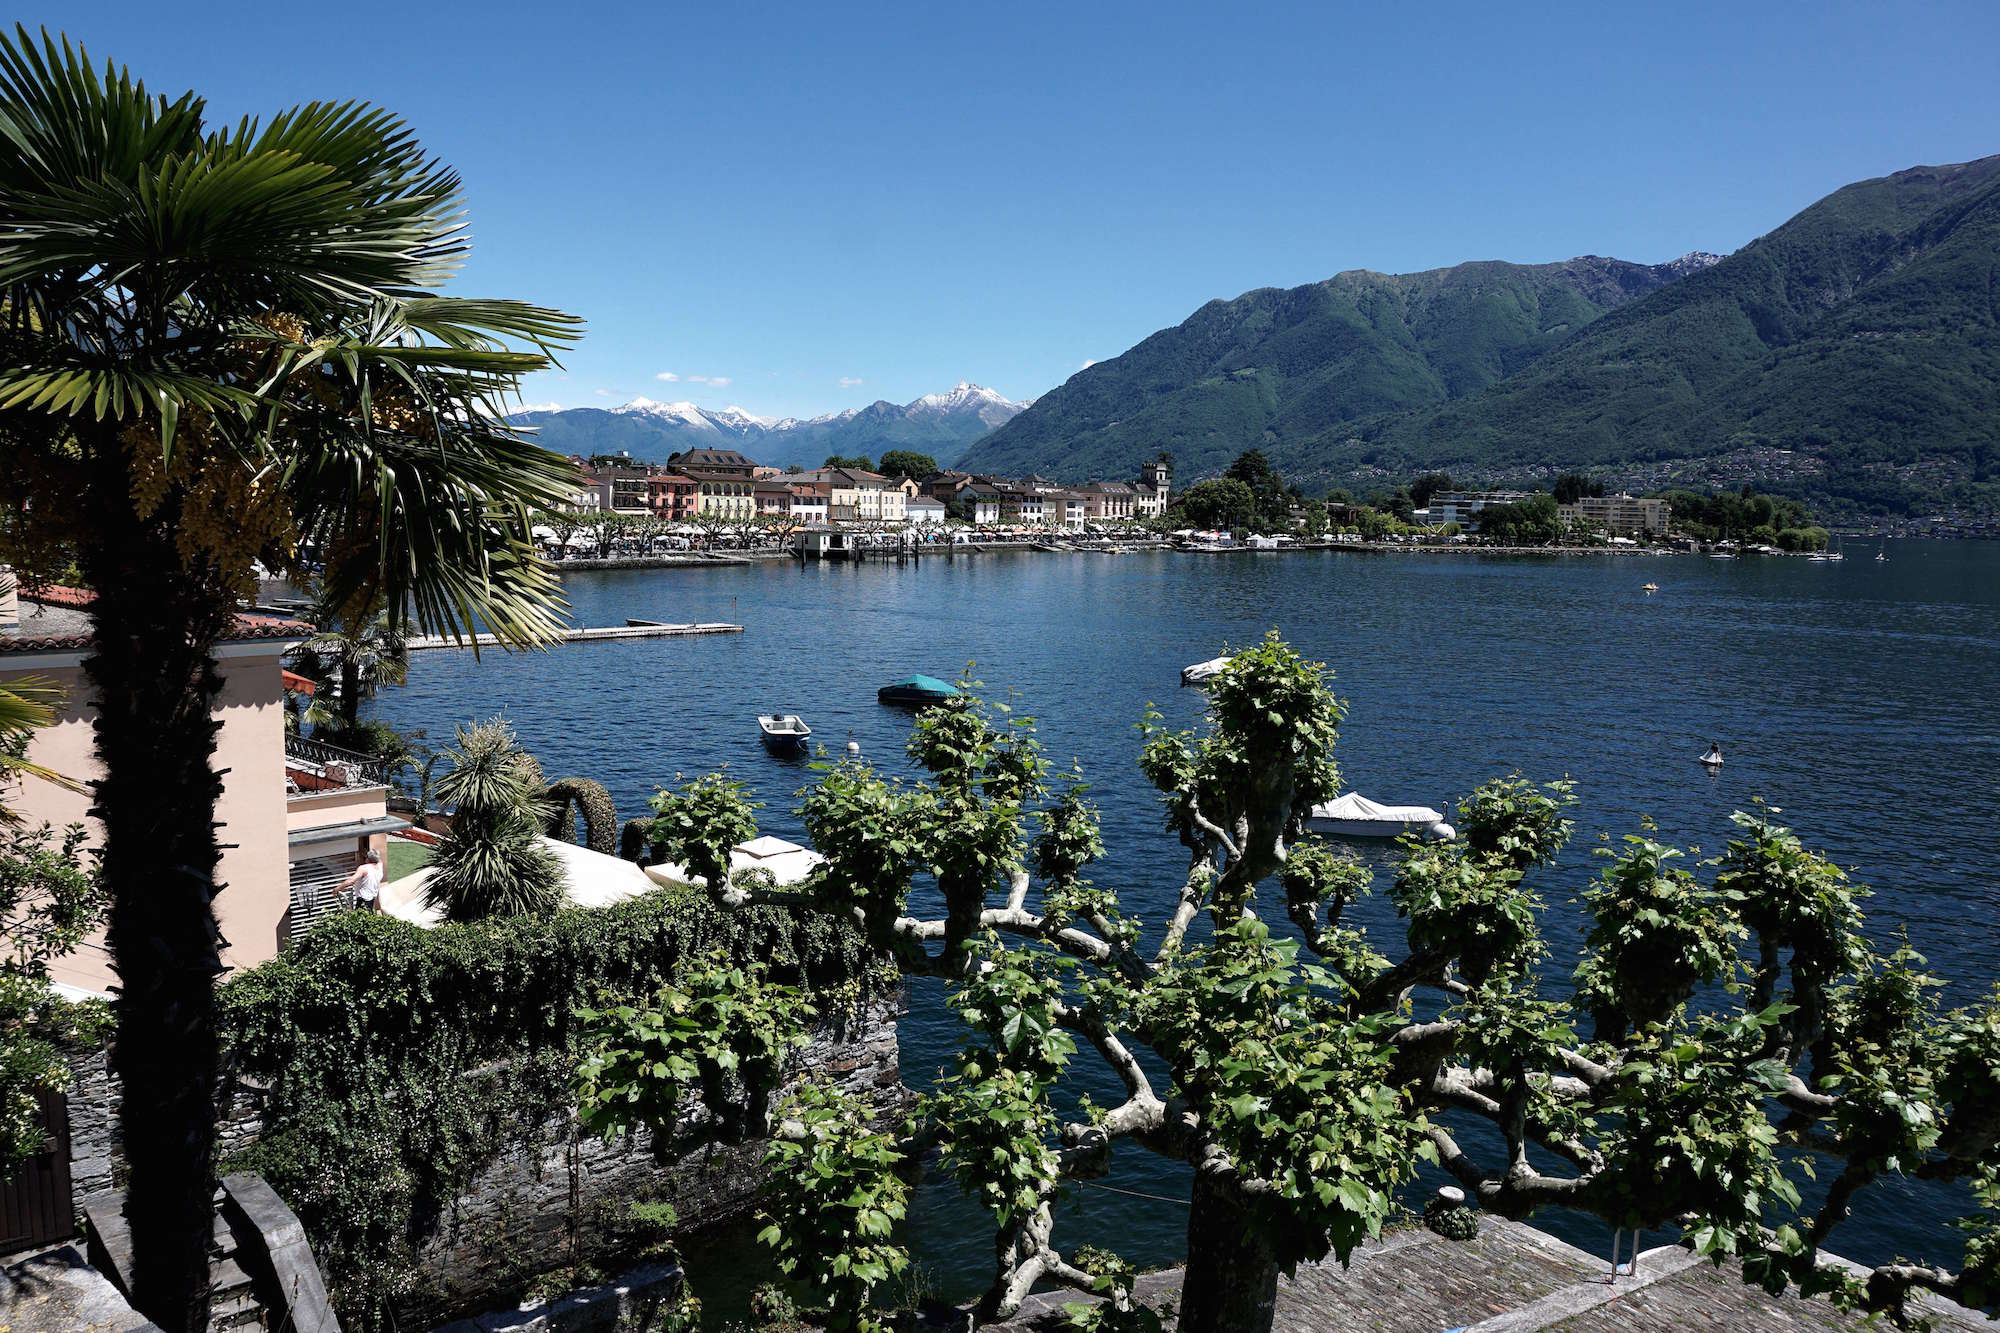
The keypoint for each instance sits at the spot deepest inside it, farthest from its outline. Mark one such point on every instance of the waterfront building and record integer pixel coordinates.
(774, 499)
(1022, 506)
(1110, 501)
(724, 481)
(1462, 507)
(1620, 515)
(982, 503)
(946, 486)
(1065, 509)
(1155, 479)
(296, 816)
(809, 499)
(670, 495)
(922, 511)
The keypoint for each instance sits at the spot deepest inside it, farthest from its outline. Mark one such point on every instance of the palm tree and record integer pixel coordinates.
(25, 705)
(220, 345)
(492, 862)
(353, 655)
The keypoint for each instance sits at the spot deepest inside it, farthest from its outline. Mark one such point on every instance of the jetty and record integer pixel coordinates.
(632, 629)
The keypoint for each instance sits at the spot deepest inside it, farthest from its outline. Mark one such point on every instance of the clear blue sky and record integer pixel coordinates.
(826, 204)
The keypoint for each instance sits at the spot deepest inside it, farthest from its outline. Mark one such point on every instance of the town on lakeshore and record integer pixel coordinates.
(486, 849)
(718, 499)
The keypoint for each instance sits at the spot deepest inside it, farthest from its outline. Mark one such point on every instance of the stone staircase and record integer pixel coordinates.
(261, 1272)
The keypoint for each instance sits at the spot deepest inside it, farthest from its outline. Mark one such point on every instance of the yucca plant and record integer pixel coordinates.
(223, 344)
(492, 862)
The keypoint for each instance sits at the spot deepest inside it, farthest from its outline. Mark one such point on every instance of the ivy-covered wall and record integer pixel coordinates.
(419, 1107)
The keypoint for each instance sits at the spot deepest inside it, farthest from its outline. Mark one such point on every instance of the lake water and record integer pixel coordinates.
(1858, 696)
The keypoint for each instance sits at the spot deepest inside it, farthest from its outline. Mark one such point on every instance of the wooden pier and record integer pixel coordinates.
(632, 629)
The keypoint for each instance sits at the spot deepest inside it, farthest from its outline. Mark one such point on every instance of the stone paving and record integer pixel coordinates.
(55, 1291)
(1512, 1279)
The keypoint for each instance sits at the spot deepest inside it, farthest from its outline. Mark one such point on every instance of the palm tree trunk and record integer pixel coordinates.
(350, 698)
(1232, 1276)
(156, 683)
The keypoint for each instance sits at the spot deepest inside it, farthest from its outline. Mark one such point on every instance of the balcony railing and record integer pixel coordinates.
(316, 766)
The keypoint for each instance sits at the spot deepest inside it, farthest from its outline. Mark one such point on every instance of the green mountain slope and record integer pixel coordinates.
(1277, 369)
(1851, 356)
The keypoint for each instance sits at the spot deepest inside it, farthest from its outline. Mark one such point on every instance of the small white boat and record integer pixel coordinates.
(1203, 672)
(1713, 759)
(786, 733)
(1355, 816)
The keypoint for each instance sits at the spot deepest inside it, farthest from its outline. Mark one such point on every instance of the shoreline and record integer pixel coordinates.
(714, 560)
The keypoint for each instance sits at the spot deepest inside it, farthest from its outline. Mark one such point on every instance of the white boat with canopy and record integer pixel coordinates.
(1355, 816)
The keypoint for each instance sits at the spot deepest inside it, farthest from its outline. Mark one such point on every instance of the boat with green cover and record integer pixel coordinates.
(917, 692)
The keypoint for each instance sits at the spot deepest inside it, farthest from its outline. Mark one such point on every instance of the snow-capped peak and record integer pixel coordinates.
(685, 413)
(965, 394)
(737, 416)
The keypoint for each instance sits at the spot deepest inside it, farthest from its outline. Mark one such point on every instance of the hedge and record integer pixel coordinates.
(402, 1060)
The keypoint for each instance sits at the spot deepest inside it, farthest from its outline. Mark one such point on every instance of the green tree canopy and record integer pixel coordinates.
(1223, 504)
(1726, 1018)
(907, 463)
(859, 462)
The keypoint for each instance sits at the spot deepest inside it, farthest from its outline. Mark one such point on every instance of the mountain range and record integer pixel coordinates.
(940, 424)
(1851, 356)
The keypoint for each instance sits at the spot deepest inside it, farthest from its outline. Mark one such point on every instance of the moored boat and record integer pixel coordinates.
(917, 691)
(1203, 672)
(1355, 816)
(786, 733)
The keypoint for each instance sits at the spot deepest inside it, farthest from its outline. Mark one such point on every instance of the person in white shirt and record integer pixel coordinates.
(366, 883)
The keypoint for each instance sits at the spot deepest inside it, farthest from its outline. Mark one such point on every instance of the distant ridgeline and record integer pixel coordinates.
(1851, 357)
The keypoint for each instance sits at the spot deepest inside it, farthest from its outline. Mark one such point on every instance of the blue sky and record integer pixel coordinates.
(810, 207)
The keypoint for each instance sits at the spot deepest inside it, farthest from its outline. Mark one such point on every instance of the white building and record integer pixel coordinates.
(922, 511)
(1154, 480)
(1462, 507)
(1620, 515)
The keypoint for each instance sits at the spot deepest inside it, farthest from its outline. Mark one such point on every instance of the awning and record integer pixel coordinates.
(351, 830)
(297, 684)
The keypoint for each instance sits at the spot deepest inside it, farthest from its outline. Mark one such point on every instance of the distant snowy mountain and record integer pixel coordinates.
(943, 425)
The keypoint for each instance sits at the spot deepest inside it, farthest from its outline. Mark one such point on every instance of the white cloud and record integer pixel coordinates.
(667, 377)
(849, 381)
(712, 381)
(541, 407)
(1088, 364)
(602, 393)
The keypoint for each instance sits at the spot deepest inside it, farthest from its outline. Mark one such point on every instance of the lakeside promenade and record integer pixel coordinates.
(940, 551)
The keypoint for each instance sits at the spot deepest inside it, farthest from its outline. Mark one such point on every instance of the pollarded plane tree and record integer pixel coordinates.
(1721, 1037)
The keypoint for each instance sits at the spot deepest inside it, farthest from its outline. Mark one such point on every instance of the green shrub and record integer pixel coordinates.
(402, 1060)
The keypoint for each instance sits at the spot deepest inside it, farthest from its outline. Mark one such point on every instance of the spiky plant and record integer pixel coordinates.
(492, 862)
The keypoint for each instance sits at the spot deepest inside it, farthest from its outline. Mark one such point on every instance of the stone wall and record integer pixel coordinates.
(555, 1200)
(96, 1159)
(532, 1211)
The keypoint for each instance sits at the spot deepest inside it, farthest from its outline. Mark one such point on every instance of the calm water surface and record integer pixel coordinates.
(1858, 696)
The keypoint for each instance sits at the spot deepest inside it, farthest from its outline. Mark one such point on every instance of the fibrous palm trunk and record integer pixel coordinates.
(1232, 1275)
(153, 669)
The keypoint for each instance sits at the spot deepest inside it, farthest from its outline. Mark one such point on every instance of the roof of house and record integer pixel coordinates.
(719, 458)
(923, 502)
(57, 619)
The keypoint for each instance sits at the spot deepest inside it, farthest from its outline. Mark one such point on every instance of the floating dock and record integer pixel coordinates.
(637, 629)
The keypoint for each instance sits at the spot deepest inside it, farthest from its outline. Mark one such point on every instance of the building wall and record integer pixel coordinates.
(250, 753)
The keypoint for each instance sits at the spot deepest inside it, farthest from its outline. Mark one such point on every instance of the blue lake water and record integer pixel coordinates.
(1858, 696)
